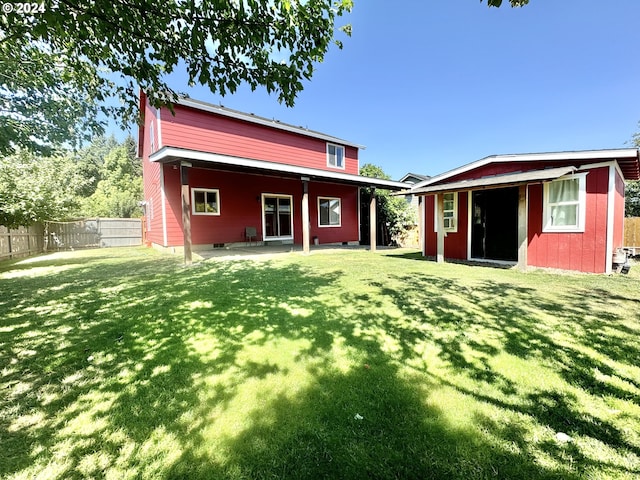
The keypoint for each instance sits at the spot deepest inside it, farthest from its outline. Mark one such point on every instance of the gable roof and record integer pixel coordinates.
(627, 158)
(266, 122)
(410, 177)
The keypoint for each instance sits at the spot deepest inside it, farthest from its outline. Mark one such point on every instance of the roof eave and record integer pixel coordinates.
(173, 154)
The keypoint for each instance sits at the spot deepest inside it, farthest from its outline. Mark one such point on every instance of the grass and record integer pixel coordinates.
(125, 364)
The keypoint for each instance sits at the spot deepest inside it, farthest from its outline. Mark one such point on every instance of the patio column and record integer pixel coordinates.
(373, 222)
(186, 211)
(522, 227)
(441, 233)
(305, 215)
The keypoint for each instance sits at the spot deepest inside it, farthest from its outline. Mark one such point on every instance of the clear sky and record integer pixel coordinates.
(428, 86)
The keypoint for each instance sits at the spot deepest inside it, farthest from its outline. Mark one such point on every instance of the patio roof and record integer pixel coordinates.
(498, 181)
(227, 162)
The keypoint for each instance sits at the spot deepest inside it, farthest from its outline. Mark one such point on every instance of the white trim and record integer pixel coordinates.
(168, 154)
(582, 205)
(340, 212)
(344, 156)
(159, 133)
(194, 190)
(611, 196)
(612, 154)
(469, 222)
(163, 201)
(359, 214)
(264, 226)
(248, 117)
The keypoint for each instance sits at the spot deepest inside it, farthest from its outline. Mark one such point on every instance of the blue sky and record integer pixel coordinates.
(428, 86)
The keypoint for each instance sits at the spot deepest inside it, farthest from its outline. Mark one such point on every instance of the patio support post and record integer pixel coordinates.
(522, 227)
(186, 211)
(305, 215)
(441, 233)
(373, 222)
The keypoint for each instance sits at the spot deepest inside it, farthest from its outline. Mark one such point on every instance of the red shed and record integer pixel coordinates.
(560, 210)
(218, 177)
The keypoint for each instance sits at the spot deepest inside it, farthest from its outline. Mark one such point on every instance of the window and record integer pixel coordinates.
(335, 156)
(329, 212)
(205, 201)
(450, 212)
(564, 204)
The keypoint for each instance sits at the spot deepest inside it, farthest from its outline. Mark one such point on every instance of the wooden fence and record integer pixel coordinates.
(88, 233)
(632, 232)
(94, 233)
(21, 242)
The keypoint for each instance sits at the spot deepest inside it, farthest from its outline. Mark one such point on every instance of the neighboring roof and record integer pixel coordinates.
(416, 176)
(495, 181)
(267, 122)
(174, 154)
(627, 158)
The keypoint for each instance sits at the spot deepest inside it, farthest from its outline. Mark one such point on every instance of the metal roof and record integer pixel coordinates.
(497, 181)
(227, 162)
(267, 122)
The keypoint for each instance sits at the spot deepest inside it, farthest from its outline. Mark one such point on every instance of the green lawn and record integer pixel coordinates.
(124, 364)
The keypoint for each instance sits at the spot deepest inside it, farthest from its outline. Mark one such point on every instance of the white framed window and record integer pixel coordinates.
(329, 212)
(335, 156)
(450, 212)
(564, 204)
(205, 201)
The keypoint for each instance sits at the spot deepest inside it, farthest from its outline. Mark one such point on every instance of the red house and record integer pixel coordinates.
(216, 177)
(561, 210)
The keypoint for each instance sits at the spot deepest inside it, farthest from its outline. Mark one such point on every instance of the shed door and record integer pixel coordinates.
(494, 225)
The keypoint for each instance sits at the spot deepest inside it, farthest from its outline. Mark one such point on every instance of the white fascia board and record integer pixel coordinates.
(248, 117)
(533, 157)
(167, 154)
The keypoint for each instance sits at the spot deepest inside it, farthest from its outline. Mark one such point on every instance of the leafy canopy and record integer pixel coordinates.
(66, 58)
(632, 188)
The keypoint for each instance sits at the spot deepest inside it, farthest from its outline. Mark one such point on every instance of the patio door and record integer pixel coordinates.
(277, 215)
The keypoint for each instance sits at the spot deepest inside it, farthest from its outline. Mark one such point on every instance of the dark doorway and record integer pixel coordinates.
(494, 233)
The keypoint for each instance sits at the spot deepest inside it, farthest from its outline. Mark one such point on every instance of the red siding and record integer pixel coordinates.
(583, 251)
(501, 168)
(207, 132)
(241, 206)
(151, 179)
(455, 243)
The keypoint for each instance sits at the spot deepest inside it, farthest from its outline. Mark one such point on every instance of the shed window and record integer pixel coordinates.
(450, 212)
(335, 156)
(564, 204)
(329, 212)
(205, 201)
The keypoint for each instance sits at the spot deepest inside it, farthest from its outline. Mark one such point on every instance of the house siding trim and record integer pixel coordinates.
(163, 198)
(611, 194)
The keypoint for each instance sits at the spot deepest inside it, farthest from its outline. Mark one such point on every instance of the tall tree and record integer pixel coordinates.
(36, 189)
(394, 214)
(65, 51)
(119, 191)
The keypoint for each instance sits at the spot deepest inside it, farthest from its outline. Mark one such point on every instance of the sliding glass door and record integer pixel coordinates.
(277, 213)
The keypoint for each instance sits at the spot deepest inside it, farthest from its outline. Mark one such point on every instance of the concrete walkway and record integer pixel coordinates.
(270, 251)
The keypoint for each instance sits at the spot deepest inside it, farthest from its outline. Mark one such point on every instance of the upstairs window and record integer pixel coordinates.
(335, 156)
(564, 204)
(205, 201)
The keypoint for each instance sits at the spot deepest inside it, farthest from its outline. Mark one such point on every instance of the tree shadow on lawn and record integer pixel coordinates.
(571, 343)
(245, 370)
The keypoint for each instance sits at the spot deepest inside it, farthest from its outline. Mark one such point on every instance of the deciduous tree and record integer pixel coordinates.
(63, 57)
